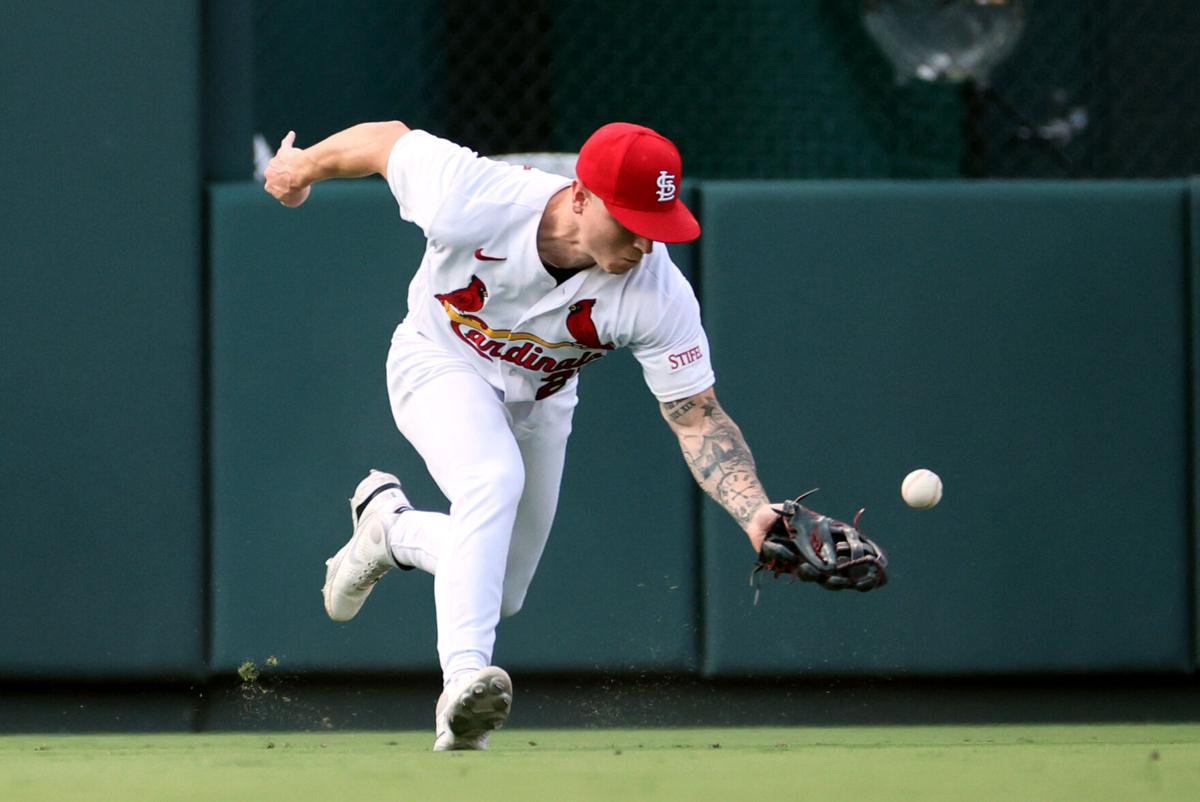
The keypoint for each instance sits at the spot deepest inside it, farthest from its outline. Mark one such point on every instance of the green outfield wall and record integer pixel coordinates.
(101, 351)
(1025, 340)
(193, 384)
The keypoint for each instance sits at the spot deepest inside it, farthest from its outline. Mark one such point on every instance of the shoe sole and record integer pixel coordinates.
(333, 564)
(482, 707)
(331, 567)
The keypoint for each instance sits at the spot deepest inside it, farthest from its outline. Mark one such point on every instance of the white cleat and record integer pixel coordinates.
(471, 707)
(351, 574)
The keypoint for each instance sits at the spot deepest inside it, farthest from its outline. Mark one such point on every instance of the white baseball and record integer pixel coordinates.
(921, 489)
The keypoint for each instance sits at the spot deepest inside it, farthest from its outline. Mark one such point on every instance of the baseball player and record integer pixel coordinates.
(527, 279)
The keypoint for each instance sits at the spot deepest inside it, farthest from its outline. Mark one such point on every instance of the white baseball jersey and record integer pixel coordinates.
(482, 291)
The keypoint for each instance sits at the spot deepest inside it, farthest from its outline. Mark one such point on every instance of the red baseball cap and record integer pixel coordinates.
(637, 173)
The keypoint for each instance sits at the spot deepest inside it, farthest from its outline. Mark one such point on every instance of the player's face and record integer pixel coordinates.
(613, 247)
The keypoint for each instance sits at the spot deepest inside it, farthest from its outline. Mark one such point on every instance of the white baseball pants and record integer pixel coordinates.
(500, 465)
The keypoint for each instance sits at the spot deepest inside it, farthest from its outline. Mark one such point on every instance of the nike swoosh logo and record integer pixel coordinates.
(480, 256)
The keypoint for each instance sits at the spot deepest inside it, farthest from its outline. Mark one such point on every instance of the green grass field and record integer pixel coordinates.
(1123, 763)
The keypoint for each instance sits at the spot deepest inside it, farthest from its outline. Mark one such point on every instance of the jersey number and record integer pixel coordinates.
(553, 383)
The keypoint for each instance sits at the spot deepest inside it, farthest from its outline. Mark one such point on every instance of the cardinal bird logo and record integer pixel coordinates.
(469, 299)
(581, 327)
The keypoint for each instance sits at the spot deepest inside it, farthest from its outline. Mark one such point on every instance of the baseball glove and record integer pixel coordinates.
(815, 548)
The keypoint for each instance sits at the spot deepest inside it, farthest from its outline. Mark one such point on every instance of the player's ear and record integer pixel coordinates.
(580, 196)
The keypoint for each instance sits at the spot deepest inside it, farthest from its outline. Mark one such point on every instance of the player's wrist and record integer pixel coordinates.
(308, 172)
(759, 523)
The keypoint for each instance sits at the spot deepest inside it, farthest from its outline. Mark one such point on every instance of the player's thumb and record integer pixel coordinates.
(288, 140)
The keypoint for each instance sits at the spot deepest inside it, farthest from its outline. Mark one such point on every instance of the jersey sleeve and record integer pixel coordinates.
(423, 170)
(674, 356)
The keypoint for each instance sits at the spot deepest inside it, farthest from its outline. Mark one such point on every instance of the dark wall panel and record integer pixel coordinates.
(100, 362)
(1193, 243)
(303, 307)
(1024, 340)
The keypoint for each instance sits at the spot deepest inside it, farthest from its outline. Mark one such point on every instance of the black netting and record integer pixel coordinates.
(756, 88)
(320, 66)
(1097, 89)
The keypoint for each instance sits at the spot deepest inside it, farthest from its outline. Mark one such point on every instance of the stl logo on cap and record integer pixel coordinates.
(666, 187)
(637, 172)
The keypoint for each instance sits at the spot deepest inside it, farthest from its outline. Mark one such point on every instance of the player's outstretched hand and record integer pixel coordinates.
(285, 174)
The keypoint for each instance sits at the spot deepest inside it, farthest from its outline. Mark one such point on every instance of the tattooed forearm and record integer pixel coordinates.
(677, 409)
(719, 458)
